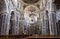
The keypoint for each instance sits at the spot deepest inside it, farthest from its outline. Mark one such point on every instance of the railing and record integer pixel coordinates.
(12, 36)
(26, 36)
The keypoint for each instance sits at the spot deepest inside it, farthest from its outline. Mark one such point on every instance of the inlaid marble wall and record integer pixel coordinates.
(28, 17)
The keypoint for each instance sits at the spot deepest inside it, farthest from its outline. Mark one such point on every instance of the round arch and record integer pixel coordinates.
(31, 13)
(31, 8)
(11, 23)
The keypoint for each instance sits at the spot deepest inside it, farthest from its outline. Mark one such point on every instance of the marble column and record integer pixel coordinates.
(15, 23)
(52, 23)
(52, 18)
(5, 24)
(44, 22)
(44, 17)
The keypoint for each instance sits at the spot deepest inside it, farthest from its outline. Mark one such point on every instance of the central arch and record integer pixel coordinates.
(31, 13)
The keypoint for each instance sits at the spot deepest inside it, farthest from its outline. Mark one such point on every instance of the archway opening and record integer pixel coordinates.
(58, 27)
(57, 3)
(11, 23)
